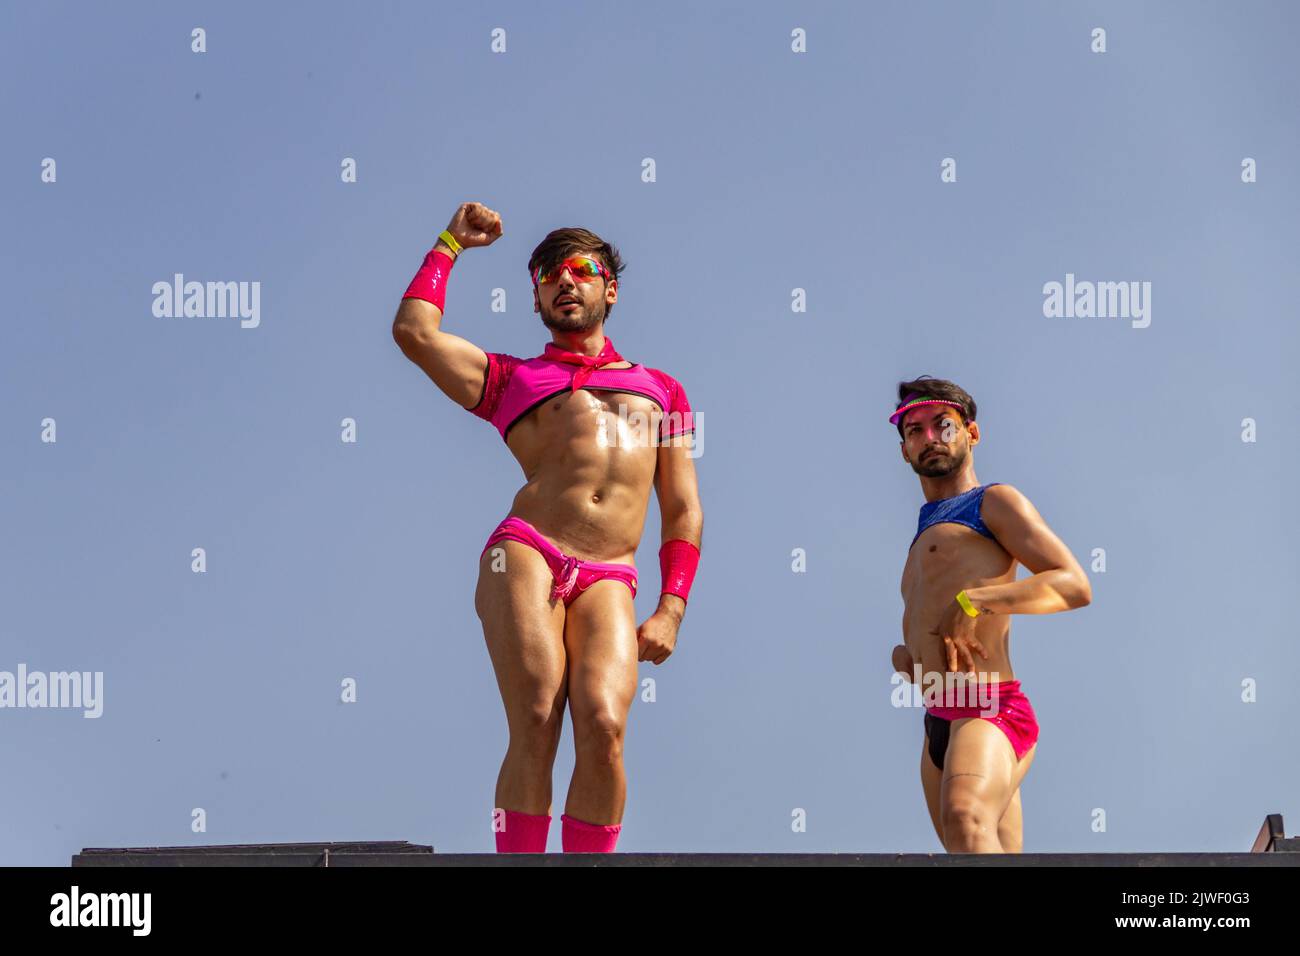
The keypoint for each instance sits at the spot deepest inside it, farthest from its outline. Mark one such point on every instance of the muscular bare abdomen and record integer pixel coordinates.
(589, 475)
(945, 559)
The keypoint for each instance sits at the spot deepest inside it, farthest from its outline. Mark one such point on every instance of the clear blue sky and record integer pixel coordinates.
(775, 170)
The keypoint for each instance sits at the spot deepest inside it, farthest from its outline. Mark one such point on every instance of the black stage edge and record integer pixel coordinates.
(1271, 848)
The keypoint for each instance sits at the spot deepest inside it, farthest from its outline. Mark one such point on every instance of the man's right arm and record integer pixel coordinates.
(456, 365)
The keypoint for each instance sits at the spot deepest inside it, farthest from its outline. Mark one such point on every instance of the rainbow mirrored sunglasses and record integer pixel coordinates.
(582, 268)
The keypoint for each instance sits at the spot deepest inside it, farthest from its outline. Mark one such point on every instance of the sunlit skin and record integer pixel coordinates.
(590, 498)
(974, 802)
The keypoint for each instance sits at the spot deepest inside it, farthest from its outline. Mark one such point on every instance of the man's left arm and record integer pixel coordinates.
(681, 534)
(1057, 582)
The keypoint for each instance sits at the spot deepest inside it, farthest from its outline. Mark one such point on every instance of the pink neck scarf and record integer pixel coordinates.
(587, 363)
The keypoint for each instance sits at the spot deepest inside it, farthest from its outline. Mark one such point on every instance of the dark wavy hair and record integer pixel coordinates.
(936, 388)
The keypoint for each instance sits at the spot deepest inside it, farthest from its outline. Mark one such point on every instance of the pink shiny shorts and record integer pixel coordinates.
(572, 576)
(1014, 717)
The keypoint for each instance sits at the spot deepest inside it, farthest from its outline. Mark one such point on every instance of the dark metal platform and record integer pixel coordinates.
(1271, 848)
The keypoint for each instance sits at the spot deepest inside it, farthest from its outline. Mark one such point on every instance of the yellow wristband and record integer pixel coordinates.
(450, 240)
(966, 605)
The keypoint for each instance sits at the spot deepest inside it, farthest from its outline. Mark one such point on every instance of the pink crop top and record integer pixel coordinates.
(512, 387)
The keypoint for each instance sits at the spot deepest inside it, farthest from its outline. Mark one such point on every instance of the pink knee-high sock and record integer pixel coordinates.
(579, 837)
(524, 833)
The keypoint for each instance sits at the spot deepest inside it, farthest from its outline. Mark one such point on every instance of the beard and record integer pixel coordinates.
(940, 465)
(580, 319)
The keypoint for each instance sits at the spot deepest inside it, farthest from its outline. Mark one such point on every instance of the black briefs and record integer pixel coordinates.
(936, 729)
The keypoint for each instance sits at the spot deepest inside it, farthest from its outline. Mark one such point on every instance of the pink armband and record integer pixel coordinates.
(678, 559)
(430, 283)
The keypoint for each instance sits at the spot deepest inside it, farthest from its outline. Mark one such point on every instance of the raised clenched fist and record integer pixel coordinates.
(475, 225)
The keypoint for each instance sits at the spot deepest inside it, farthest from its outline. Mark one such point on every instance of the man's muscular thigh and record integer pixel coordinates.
(931, 784)
(601, 644)
(978, 769)
(523, 627)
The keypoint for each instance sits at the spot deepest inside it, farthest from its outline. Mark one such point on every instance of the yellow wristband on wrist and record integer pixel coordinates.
(966, 605)
(450, 240)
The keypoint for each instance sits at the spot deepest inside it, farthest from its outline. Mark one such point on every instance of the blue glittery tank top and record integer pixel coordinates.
(959, 509)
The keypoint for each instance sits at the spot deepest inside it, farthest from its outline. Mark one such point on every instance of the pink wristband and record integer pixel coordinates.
(430, 283)
(678, 559)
